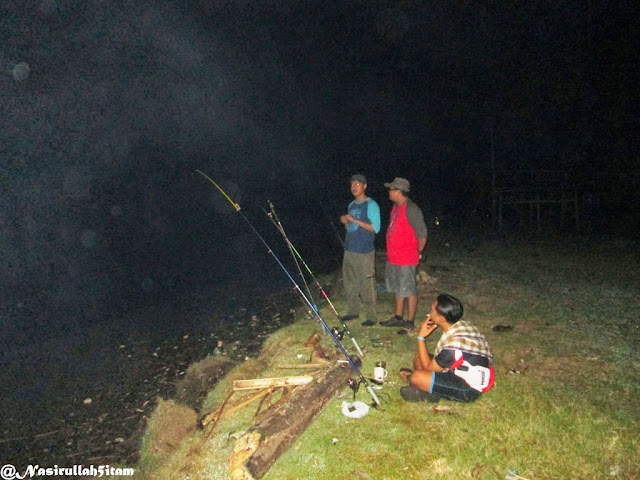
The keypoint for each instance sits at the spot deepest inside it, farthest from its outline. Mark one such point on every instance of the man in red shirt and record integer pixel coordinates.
(406, 238)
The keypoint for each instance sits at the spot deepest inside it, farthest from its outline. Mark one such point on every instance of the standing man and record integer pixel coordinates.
(362, 222)
(406, 238)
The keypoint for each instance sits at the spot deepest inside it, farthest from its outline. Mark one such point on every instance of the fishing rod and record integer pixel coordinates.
(273, 216)
(278, 225)
(363, 380)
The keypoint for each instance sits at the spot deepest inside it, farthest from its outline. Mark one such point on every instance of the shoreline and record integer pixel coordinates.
(86, 398)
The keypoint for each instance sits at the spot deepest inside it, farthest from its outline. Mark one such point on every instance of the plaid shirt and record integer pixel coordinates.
(465, 337)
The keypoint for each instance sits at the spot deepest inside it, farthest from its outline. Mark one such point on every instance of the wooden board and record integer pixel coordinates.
(260, 383)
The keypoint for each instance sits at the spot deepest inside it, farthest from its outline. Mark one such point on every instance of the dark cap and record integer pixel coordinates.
(399, 183)
(358, 178)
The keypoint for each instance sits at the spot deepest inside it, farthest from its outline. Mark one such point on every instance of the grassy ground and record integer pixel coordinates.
(564, 405)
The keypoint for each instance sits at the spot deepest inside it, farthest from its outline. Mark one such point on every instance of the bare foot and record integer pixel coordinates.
(405, 373)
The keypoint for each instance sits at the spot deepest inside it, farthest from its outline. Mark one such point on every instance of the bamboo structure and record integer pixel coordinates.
(533, 196)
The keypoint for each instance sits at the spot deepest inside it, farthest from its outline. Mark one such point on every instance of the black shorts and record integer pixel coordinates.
(449, 385)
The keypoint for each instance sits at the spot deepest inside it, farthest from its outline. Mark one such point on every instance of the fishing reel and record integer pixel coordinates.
(354, 385)
(336, 332)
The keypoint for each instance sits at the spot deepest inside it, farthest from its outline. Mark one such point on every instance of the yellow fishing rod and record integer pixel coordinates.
(362, 378)
(234, 204)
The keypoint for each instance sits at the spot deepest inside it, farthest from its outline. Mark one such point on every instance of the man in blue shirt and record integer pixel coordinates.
(362, 222)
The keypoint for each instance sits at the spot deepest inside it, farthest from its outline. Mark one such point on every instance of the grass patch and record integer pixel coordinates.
(565, 402)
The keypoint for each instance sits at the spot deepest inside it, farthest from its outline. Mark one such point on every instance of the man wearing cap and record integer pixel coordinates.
(406, 238)
(362, 222)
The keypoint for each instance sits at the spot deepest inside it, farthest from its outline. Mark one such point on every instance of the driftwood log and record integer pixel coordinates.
(258, 449)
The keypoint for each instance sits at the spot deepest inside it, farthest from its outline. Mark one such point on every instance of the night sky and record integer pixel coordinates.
(107, 108)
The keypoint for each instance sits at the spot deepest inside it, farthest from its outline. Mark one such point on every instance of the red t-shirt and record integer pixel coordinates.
(402, 244)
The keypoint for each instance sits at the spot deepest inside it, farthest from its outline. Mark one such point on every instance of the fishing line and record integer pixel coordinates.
(299, 290)
(276, 221)
(333, 227)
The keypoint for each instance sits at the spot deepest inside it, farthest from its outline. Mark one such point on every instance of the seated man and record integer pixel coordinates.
(462, 365)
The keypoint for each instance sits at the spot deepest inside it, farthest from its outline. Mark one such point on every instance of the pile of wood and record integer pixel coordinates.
(279, 425)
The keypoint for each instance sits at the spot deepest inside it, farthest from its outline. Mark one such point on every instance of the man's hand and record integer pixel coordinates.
(346, 218)
(427, 327)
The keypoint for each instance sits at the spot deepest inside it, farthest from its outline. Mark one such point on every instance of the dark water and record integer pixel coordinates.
(55, 356)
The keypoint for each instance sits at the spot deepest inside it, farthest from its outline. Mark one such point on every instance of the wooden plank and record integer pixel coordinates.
(271, 382)
(258, 449)
(246, 401)
(228, 408)
(303, 366)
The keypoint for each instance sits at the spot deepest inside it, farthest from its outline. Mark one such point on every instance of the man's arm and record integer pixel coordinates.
(422, 376)
(416, 220)
(360, 223)
(426, 363)
(373, 213)
(346, 218)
